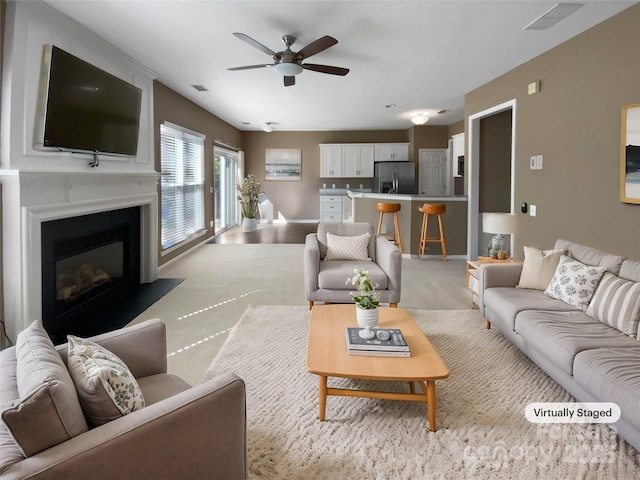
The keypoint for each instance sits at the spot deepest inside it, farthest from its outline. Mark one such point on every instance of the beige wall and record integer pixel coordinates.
(173, 107)
(575, 123)
(300, 200)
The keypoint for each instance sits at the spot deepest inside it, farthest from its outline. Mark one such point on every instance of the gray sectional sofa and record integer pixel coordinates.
(592, 360)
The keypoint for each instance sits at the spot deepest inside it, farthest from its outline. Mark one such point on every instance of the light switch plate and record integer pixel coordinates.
(533, 210)
(539, 162)
(533, 162)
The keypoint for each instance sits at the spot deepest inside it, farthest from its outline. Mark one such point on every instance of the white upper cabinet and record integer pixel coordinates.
(346, 161)
(392, 152)
(330, 161)
(357, 161)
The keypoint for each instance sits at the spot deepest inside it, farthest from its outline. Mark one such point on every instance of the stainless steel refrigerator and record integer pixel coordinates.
(394, 177)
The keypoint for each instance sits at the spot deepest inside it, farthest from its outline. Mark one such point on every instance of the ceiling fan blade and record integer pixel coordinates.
(326, 69)
(317, 46)
(288, 81)
(254, 43)
(249, 67)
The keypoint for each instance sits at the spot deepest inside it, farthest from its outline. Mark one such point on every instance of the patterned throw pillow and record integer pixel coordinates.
(574, 282)
(106, 387)
(347, 248)
(616, 302)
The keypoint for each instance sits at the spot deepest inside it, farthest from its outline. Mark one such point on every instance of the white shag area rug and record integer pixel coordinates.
(482, 431)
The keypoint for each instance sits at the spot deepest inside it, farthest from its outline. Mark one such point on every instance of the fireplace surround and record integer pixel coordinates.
(88, 263)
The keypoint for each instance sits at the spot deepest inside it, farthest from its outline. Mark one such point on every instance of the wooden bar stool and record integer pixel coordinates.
(390, 208)
(428, 209)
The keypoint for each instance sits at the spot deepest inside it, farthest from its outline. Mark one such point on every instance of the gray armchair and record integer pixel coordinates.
(325, 281)
(183, 432)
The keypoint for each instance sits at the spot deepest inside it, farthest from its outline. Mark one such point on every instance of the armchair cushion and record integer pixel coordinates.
(106, 387)
(334, 275)
(48, 411)
(348, 248)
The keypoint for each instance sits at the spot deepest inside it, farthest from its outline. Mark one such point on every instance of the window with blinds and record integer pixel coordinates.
(182, 203)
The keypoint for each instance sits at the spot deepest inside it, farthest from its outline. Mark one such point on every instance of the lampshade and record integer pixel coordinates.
(500, 223)
(420, 119)
(288, 69)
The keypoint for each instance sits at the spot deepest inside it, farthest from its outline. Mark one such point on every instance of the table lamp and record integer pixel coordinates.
(499, 224)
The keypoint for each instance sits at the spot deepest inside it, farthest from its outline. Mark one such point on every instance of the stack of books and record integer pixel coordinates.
(395, 346)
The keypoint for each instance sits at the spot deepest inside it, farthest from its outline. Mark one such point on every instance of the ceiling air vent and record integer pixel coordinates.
(443, 111)
(553, 16)
(200, 88)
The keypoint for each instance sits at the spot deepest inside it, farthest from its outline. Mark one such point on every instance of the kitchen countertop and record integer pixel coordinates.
(406, 197)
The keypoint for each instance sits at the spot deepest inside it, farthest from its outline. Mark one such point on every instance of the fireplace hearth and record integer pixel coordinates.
(89, 262)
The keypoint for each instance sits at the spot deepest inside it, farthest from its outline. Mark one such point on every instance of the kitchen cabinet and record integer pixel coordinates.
(331, 208)
(330, 161)
(357, 161)
(457, 150)
(392, 152)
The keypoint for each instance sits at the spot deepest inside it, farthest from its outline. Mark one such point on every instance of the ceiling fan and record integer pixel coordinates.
(289, 63)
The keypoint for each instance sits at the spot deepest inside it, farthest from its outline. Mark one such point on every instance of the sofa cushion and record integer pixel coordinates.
(106, 387)
(560, 336)
(630, 270)
(347, 248)
(334, 275)
(48, 411)
(538, 268)
(616, 302)
(506, 302)
(611, 375)
(156, 388)
(591, 256)
(574, 282)
(9, 451)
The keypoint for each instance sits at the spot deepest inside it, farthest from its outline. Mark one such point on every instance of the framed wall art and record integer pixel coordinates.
(630, 154)
(283, 164)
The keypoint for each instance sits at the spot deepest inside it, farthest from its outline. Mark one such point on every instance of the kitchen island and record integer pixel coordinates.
(362, 208)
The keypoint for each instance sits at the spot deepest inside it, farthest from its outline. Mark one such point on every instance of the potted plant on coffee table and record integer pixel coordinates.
(365, 297)
(248, 192)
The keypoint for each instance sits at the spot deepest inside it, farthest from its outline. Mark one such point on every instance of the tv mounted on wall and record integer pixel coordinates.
(84, 109)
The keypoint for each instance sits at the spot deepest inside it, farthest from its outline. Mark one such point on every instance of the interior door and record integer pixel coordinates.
(433, 172)
(225, 167)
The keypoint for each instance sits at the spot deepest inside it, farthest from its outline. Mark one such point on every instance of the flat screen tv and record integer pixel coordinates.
(84, 109)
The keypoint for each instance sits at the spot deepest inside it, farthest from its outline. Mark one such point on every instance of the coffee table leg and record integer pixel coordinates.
(431, 404)
(322, 399)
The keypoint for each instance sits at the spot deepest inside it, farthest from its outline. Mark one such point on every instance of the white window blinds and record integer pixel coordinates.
(182, 203)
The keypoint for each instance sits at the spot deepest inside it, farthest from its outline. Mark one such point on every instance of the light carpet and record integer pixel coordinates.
(482, 431)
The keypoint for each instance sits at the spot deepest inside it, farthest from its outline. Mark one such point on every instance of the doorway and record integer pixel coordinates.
(475, 245)
(433, 172)
(225, 179)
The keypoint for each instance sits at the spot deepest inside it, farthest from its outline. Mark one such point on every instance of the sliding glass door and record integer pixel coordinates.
(225, 178)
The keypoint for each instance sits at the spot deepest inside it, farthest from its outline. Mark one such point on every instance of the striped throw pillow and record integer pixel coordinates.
(616, 302)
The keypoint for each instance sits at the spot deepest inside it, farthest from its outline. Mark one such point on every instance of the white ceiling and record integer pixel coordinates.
(422, 56)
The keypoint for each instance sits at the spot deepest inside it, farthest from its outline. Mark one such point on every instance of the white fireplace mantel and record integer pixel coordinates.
(31, 198)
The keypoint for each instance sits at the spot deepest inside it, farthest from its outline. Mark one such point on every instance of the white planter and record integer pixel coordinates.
(367, 317)
(249, 224)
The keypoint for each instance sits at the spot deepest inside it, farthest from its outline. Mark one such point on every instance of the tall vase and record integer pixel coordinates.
(249, 224)
(367, 316)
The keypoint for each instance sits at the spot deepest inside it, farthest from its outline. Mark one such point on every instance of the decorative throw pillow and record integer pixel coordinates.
(347, 248)
(48, 411)
(574, 282)
(538, 268)
(106, 387)
(616, 302)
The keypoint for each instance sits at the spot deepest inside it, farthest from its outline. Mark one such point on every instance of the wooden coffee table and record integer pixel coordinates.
(327, 356)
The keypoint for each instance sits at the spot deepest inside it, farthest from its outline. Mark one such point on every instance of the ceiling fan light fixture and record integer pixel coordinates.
(267, 127)
(420, 119)
(288, 69)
